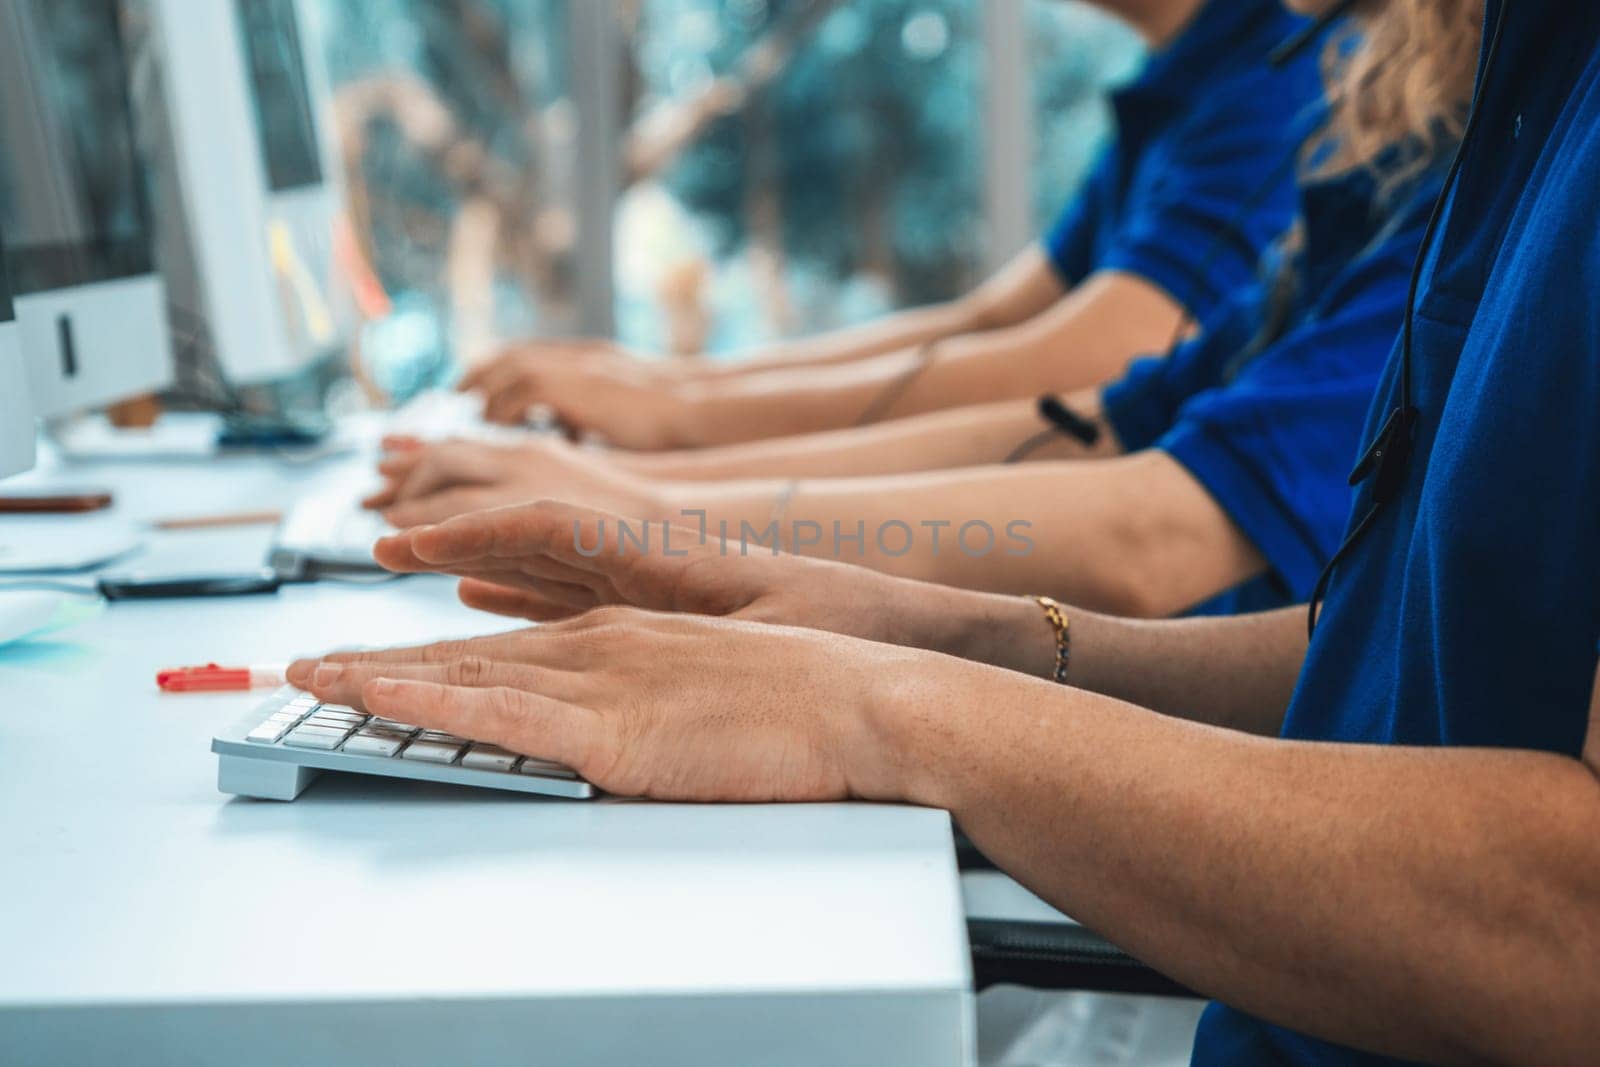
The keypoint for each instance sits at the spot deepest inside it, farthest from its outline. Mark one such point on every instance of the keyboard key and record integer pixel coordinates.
(315, 737)
(365, 744)
(331, 711)
(337, 721)
(431, 752)
(441, 736)
(392, 724)
(545, 769)
(268, 732)
(489, 758)
(337, 708)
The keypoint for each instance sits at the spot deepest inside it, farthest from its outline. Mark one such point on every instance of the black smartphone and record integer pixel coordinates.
(175, 586)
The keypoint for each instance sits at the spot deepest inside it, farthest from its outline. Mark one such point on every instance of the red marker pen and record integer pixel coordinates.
(213, 678)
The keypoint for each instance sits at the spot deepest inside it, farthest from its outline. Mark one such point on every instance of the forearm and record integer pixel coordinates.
(1082, 343)
(904, 329)
(1235, 672)
(1428, 904)
(1023, 288)
(964, 437)
(1130, 536)
(1085, 340)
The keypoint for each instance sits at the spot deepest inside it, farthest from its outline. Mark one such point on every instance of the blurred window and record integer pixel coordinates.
(779, 166)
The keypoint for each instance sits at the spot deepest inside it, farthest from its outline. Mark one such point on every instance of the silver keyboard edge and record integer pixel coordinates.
(231, 742)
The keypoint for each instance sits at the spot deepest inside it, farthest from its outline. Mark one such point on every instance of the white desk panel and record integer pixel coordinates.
(148, 918)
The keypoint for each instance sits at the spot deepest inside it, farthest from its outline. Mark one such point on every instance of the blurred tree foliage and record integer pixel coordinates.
(833, 140)
(869, 143)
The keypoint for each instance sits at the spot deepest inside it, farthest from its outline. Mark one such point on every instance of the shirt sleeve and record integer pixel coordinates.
(1275, 445)
(1211, 199)
(1144, 404)
(1072, 240)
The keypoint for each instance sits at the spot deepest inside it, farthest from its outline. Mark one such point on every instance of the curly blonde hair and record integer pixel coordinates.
(1400, 77)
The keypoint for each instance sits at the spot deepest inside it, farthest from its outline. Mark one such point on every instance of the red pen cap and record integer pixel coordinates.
(210, 678)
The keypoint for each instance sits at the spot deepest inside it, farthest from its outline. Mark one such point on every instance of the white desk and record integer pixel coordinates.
(146, 918)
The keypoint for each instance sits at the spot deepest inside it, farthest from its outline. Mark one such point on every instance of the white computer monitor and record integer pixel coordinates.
(251, 179)
(89, 303)
(16, 407)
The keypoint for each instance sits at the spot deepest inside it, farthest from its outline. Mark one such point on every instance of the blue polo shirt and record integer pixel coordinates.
(1470, 612)
(1199, 180)
(1267, 426)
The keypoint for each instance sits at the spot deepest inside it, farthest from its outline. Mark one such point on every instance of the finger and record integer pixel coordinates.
(383, 498)
(441, 506)
(474, 378)
(400, 464)
(394, 553)
(518, 361)
(502, 373)
(508, 406)
(503, 370)
(513, 603)
(553, 580)
(515, 545)
(447, 465)
(562, 543)
(573, 595)
(342, 683)
(399, 553)
(396, 466)
(504, 645)
(401, 442)
(526, 722)
(520, 532)
(394, 477)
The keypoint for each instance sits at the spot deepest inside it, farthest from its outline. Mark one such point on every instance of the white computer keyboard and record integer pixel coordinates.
(438, 414)
(285, 743)
(329, 529)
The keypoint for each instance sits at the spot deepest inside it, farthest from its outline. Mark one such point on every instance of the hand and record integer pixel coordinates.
(669, 707)
(595, 387)
(431, 483)
(534, 353)
(548, 561)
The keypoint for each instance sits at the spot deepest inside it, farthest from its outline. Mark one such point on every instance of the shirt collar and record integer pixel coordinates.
(1223, 33)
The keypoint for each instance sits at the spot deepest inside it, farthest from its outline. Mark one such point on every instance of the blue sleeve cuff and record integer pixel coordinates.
(1068, 249)
(1137, 408)
(1082, 225)
(1144, 404)
(1184, 280)
(1252, 502)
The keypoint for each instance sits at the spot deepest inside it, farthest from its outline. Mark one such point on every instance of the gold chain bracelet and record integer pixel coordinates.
(1063, 628)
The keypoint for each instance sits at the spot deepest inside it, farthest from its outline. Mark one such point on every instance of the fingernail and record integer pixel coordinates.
(326, 674)
(381, 686)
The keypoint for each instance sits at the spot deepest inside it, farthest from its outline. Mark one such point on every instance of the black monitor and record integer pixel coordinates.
(270, 32)
(74, 206)
(16, 407)
(73, 200)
